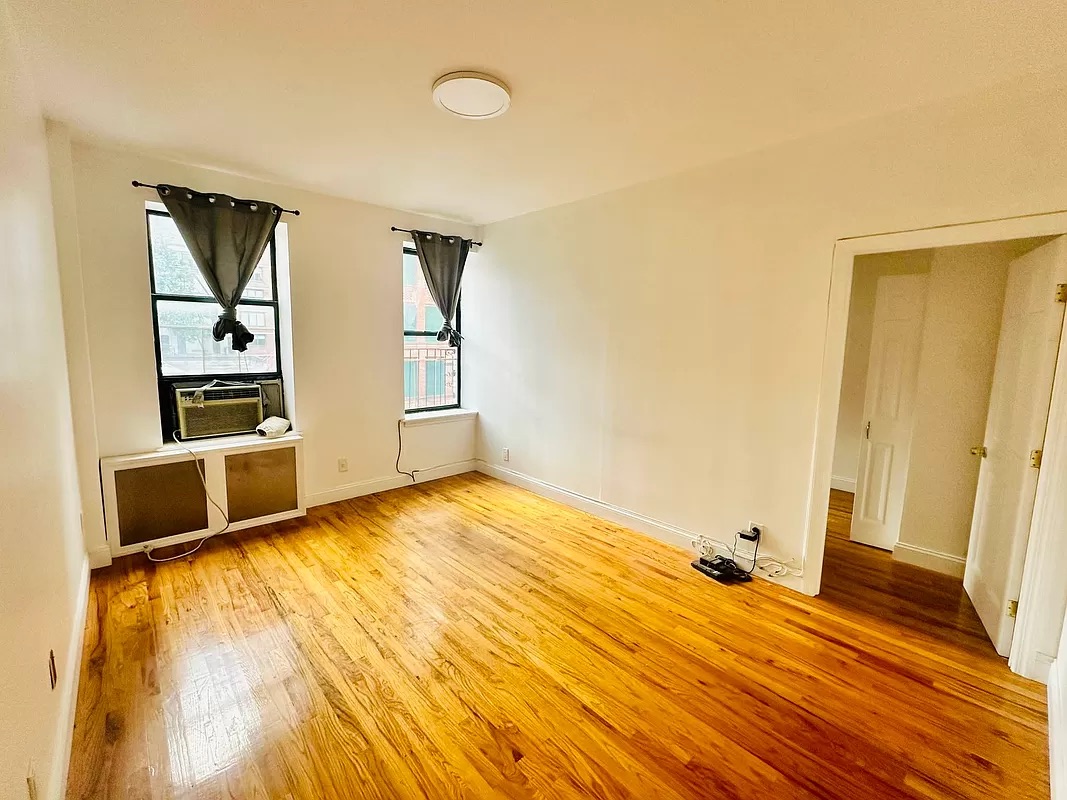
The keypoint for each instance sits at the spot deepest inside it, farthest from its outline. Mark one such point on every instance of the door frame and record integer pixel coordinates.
(1024, 658)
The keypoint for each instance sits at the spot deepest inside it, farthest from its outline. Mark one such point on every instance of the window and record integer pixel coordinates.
(434, 319)
(435, 380)
(184, 312)
(411, 380)
(431, 368)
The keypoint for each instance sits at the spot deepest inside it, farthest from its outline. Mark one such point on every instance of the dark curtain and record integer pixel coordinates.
(442, 259)
(226, 238)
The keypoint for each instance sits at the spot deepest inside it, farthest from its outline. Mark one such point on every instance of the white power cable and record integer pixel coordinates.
(148, 550)
(769, 566)
(773, 568)
(400, 452)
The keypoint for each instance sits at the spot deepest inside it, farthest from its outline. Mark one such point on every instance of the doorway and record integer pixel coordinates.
(948, 348)
(932, 362)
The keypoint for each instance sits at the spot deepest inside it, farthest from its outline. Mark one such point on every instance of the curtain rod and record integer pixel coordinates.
(139, 185)
(405, 230)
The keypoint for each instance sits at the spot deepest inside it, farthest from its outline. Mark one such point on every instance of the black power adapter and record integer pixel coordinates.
(751, 535)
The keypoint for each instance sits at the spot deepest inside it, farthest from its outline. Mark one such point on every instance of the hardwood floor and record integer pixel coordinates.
(465, 638)
(868, 579)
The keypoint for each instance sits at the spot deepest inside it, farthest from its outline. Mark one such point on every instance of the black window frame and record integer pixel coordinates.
(410, 250)
(168, 411)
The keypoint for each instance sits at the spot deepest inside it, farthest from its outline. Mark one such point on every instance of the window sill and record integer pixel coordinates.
(236, 443)
(437, 417)
(227, 441)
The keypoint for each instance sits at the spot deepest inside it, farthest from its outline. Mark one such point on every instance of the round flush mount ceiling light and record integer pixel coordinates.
(471, 95)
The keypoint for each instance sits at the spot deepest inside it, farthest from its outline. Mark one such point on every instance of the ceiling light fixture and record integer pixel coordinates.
(471, 95)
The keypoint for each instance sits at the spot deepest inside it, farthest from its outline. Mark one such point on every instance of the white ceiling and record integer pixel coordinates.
(334, 95)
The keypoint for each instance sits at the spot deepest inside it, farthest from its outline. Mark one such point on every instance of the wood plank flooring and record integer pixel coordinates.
(868, 579)
(467, 639)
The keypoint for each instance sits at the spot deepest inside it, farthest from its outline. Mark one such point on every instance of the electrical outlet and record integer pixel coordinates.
(342, 465)
(758, 527)
(507, 454)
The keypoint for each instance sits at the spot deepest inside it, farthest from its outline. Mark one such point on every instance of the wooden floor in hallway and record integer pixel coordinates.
(467, 639)
(867, 579)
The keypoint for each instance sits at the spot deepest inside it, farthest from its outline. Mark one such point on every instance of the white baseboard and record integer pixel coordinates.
(1038, 667)
(361, 488)
(70, 670)
(930, 559)
(844, 484)
(1057, 731)
(663, 531)
(100, 557)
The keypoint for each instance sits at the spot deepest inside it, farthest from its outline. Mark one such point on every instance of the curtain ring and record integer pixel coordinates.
(254, 207)
(211, 198)
(188, 195)
(233, 204)
(164, 190)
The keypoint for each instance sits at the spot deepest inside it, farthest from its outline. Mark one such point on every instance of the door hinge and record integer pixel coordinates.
(1061, 292)
(1013, 608)
(979, 451)
(1035, 459)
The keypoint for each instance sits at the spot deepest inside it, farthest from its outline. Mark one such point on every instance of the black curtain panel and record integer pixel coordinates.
(442, 259)
(226, 237)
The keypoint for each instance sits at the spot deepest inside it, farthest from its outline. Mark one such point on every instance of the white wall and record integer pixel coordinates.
(347, 317)
(43, 568)
(83, 411)
(660, 347)
(959, 351)
(850, 422)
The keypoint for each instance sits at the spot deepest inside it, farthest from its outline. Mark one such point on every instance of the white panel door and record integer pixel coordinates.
(888, 408)
(1018, 415)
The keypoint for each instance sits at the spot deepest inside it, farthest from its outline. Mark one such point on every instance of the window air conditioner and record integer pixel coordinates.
(219, 410)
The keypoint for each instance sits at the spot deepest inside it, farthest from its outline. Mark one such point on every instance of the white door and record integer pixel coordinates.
(888, 409)
(1018, 414)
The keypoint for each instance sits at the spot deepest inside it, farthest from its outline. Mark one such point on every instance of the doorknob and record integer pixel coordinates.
(979, 451)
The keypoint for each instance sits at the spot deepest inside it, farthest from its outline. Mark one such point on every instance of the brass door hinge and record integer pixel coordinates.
(1061, 292)
(1035, 459)
(1013, 608)
(979, 451)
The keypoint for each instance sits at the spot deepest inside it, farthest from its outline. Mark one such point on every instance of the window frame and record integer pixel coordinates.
(409, 249)
(167, 383)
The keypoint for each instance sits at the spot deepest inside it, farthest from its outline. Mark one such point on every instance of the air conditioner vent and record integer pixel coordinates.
(218, 410)
(224, 393)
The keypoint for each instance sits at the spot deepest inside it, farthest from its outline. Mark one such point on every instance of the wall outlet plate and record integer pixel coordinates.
(342, 465)
(507, 454)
